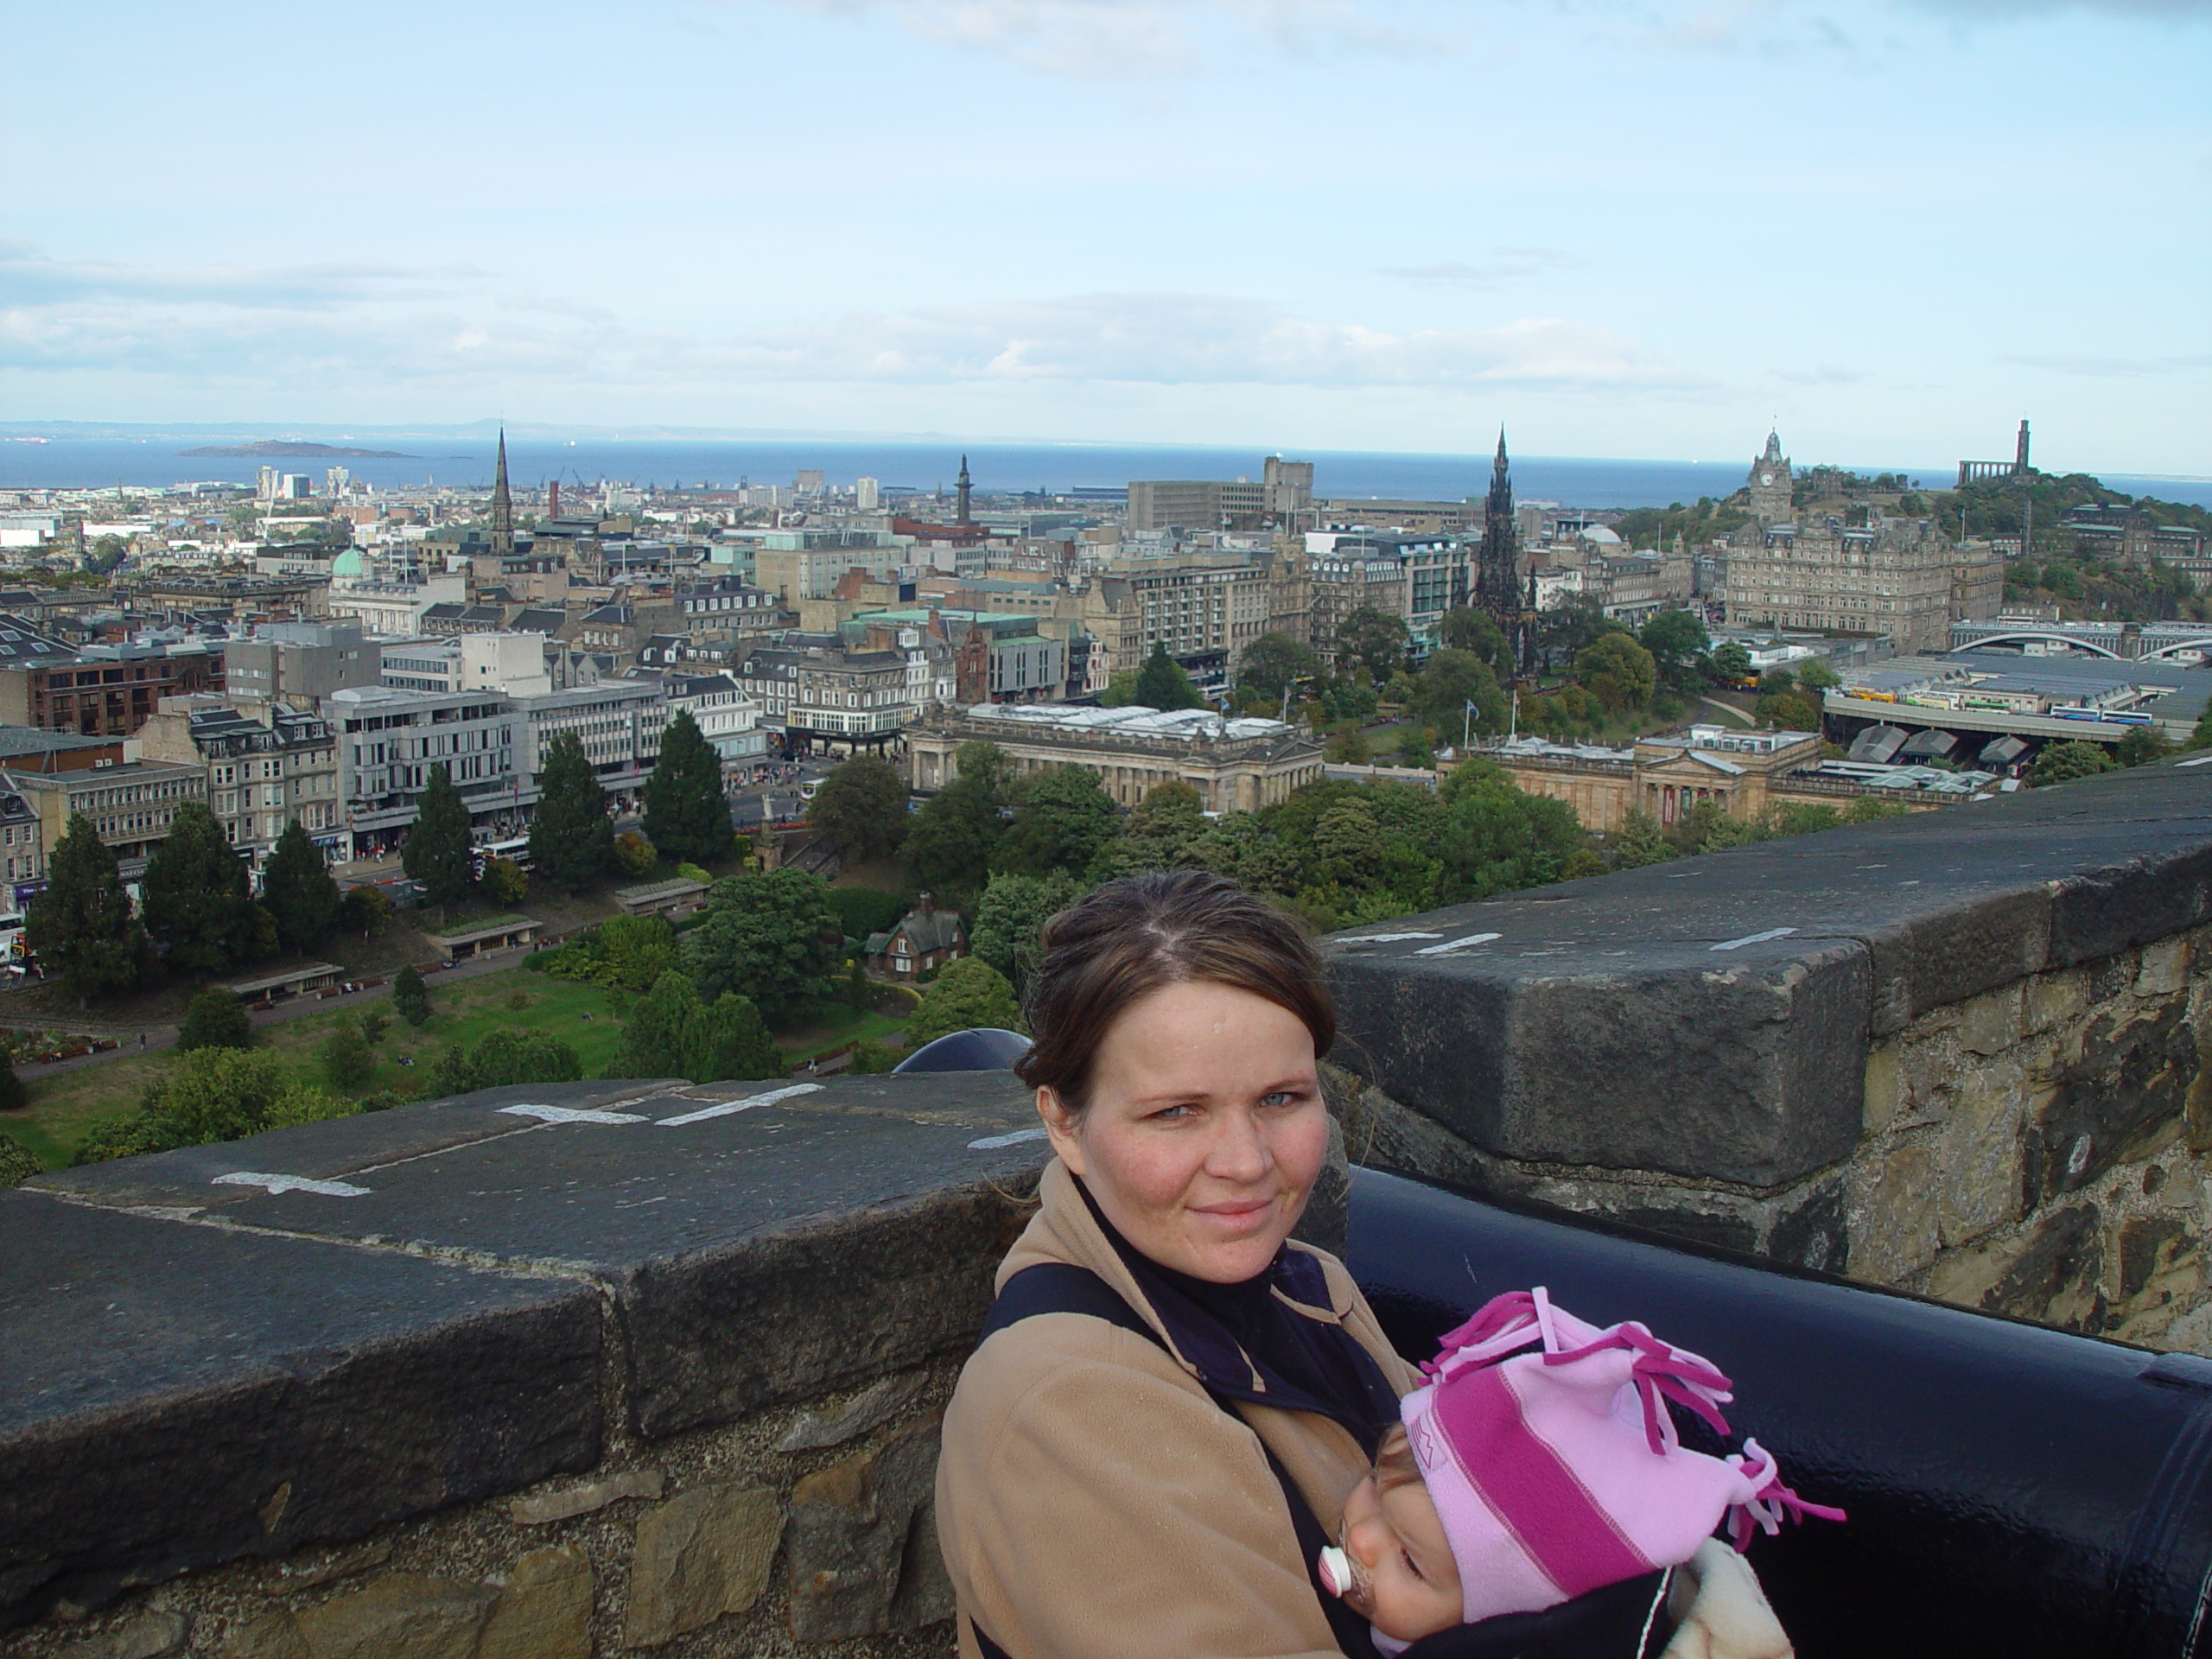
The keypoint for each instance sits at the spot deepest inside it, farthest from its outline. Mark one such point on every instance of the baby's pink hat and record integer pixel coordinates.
(1559, 1471)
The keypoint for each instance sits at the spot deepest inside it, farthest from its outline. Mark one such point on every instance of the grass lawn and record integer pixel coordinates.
(838, 1027)
(64, 1107)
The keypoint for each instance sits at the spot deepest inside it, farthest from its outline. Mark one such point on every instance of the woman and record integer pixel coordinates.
(1172, 1400)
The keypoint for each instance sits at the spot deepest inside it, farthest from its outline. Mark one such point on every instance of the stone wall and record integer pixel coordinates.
(543, 1373)
(1964, 1053)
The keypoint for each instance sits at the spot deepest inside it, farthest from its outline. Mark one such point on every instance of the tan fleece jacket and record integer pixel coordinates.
(1093, 1499)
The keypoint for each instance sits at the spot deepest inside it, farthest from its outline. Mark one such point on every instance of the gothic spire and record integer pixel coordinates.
(503, 506)
(965, 488)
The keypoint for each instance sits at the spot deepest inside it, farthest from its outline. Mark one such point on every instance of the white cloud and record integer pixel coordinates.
(393, 325)
(2109, 368)
(1505, 265)
(1139, 40)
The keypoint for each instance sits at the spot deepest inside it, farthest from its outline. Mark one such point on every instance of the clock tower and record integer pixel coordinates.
(1771, 484)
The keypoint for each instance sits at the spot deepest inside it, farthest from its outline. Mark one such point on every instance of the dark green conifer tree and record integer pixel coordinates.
(81, 928)
(437, 853)
(409, 996)
(1161, 682)
(686, 816)
(214, 1019)
(199, 903)
(296, 887)
(571, 840)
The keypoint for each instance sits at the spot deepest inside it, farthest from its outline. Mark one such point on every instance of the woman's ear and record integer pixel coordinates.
(1060, 1126)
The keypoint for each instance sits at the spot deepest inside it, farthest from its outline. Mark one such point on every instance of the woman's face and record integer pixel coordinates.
(1206, 1129)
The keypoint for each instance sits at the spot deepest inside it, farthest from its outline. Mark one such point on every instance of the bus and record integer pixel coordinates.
(516, 851)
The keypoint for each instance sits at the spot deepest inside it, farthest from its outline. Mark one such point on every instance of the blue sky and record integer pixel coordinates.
(1622, 227)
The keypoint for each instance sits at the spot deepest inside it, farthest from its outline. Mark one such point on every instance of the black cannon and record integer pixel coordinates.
(2013, 1491)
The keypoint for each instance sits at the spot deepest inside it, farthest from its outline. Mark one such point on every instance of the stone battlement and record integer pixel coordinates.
(585, 1369)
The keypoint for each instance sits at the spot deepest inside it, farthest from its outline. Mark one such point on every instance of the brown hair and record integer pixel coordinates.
(1394, 1460)
(1140, 933)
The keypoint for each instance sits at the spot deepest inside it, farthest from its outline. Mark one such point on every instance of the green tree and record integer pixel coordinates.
(634, 952)
(1494, 839)
(347, 1060)
(1414, 748)
(1273, 662)
(1011, 915)
(1121, 689)
(855, 984)
(408, 995)
(672, 1033)
(1161, 682)
(1348, 745)
(2061, 763)
(1786, 711)
(1463, 628)
(863, 911)
(16, 1163)
(687, 816)
(571, 840)
(505, 882)
(296, 887)
(1245, 847)
(634, 854)
(1576, 622)
(374, 1025)
(969, 994)
(861, 805)
(365, 910)
(1620, 671)
(503, 1058)
(950, 842)
(1639, 841)
(1065, 818)
(1817, 676)
(1778, 682)
(210, 1095)
(1450, 680)
(1678, 642)
(198, 905)
(214, 1019)
(1732, 662)
(2200, 738)
(80, 927)
(436, 852)
(1375, 639)
(769, 936)
(2142, 744)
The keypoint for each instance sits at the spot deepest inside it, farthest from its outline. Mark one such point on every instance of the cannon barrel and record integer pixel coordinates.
(2012, 1490)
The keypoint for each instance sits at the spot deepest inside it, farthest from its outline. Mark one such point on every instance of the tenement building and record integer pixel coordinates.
(104, 690)
(1236, 766)
(266, 764)
(131, 807)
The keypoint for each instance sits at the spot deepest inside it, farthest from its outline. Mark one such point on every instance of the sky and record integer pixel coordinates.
(1636, 228)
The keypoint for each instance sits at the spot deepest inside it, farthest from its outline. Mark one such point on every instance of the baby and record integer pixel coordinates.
(1518, 1484)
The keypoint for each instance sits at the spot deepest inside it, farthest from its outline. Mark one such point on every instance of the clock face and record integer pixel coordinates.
(1766, 478)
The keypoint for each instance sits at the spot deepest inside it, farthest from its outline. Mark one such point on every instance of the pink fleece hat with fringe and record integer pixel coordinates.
(1559, 1471)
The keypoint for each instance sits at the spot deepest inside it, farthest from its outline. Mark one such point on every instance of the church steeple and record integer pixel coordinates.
(965, 491)
(503, 506)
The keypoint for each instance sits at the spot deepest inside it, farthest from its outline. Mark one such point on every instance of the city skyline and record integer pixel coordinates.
(1320, 224)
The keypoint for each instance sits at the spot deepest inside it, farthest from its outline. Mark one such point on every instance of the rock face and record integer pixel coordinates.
(863, 1557)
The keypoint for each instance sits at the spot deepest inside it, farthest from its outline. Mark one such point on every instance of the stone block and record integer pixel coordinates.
(1895, 1216)
(405, 1616)
(1990, 1024)
(565, 1502)
(703, 1554)
(150, 1634)
(1884, 1086)
(1979, 1154)
(2126, 1098)
(214, 1393)
(272, 1635)
(543, 1611)
(1814, 1231)
(2055, 1276)
(871, 1408)
(854, 1538)
(2053, 1000)
(2160, 1260)
(2164, 968)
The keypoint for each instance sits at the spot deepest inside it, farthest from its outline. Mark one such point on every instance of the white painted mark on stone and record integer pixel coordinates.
(570, 1115)
(1450, 945)
(990, 1142)
(724, 1108)
(1385, 938)
(2200, 761)
(290, 1183)
(1756, 938)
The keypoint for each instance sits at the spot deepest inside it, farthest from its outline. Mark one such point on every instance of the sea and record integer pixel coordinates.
(156, 461)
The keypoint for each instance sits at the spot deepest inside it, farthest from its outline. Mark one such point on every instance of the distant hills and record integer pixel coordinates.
(277, 447)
